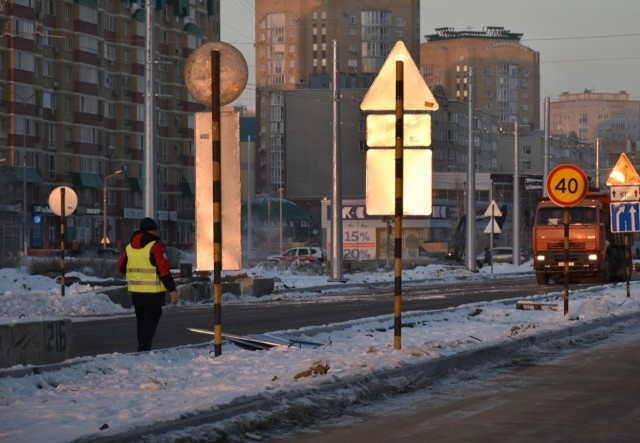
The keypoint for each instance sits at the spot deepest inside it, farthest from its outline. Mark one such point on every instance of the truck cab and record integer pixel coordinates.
(592, 251)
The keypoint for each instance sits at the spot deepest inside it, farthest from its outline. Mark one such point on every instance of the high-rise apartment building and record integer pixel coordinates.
(294, 50)
(611, 118)
(72, 112)
(506, 73)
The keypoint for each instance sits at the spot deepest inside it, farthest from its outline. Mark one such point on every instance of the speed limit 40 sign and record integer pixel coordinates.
(567, 185)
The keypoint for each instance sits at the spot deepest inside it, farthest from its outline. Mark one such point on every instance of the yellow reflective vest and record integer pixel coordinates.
(141, 274)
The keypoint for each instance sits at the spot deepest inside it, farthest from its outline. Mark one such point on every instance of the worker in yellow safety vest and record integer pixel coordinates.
(148, 271)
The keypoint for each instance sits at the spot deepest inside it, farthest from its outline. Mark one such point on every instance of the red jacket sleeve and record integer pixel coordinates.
(122, 262)
(162, 264)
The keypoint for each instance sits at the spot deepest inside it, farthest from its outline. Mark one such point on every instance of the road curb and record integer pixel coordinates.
(412, 375)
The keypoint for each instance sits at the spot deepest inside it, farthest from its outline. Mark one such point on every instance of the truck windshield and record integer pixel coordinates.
(579, 215)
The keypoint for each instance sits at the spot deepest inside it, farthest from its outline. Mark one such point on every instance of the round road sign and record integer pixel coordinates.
(233, 73)
(567, 185)
(70, 200)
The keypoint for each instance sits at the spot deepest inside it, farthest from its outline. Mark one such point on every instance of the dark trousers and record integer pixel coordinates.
(147, 318)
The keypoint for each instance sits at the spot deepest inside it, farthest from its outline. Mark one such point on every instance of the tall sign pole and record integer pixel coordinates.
(471, 183)
(397, 256)
(404, 189)
(547, 136)
(625, 194)
(217, 201)
(516, 196)
(336, 197)
(567, 185)
(63, 201)
(210, 84)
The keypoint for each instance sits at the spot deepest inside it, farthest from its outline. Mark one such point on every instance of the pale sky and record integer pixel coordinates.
(583, 44)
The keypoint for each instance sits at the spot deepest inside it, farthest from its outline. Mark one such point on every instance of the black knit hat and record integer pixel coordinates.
(148, 224)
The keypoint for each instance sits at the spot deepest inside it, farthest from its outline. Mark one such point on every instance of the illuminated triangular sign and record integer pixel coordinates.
(623, 173)
(417, 95)
(492, 227)
(493, 210)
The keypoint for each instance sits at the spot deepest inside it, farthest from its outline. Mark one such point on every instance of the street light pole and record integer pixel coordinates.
(516, 198)
(24, 224)
(24, 229)
(104, 207)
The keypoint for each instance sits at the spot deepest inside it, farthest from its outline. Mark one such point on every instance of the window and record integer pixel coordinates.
(49, 38)
(25, 61)
(87, 14)
(140, 112)
(109, 52)
(89, 104)
(88, 44)
(88, 135)
(109, 80)
(25, 29)
(89, 74)
(48, 100)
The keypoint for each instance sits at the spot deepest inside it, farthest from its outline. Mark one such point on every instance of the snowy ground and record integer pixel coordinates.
(110, 394)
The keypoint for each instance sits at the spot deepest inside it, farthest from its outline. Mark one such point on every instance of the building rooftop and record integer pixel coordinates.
(490, 32)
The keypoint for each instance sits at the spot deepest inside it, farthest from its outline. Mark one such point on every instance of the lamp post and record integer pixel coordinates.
(24, 226)
(104, 207)
(516, 197)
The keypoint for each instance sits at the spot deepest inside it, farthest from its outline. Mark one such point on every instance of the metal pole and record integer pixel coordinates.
(627, 261)
(547, 135)
(63, 234)
(336, 198)
(249, 227)
(565, 292)
(104, 214)
(150, 196)
(399, 204)
(471, 184)
(217, 201)
(280, 192)
(24, 225)
(598, 163)
(516, 198)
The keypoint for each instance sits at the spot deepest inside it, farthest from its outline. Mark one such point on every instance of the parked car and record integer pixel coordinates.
(300, 254)
(501, 255)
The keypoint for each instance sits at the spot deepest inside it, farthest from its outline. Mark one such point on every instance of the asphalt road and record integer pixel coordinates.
(589, 394)
(117, 333)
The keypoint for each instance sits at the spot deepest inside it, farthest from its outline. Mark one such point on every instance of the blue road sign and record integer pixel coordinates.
(625, 217)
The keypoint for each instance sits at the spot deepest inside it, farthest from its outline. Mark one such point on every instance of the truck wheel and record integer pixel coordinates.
(542, 278)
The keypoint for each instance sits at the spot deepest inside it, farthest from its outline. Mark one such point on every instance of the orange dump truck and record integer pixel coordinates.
(595, 253)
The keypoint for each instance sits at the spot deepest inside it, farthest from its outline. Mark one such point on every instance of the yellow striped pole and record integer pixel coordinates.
(627, 261)
(399, 164)
(63, 222)
(565, 295)
(217, 201)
